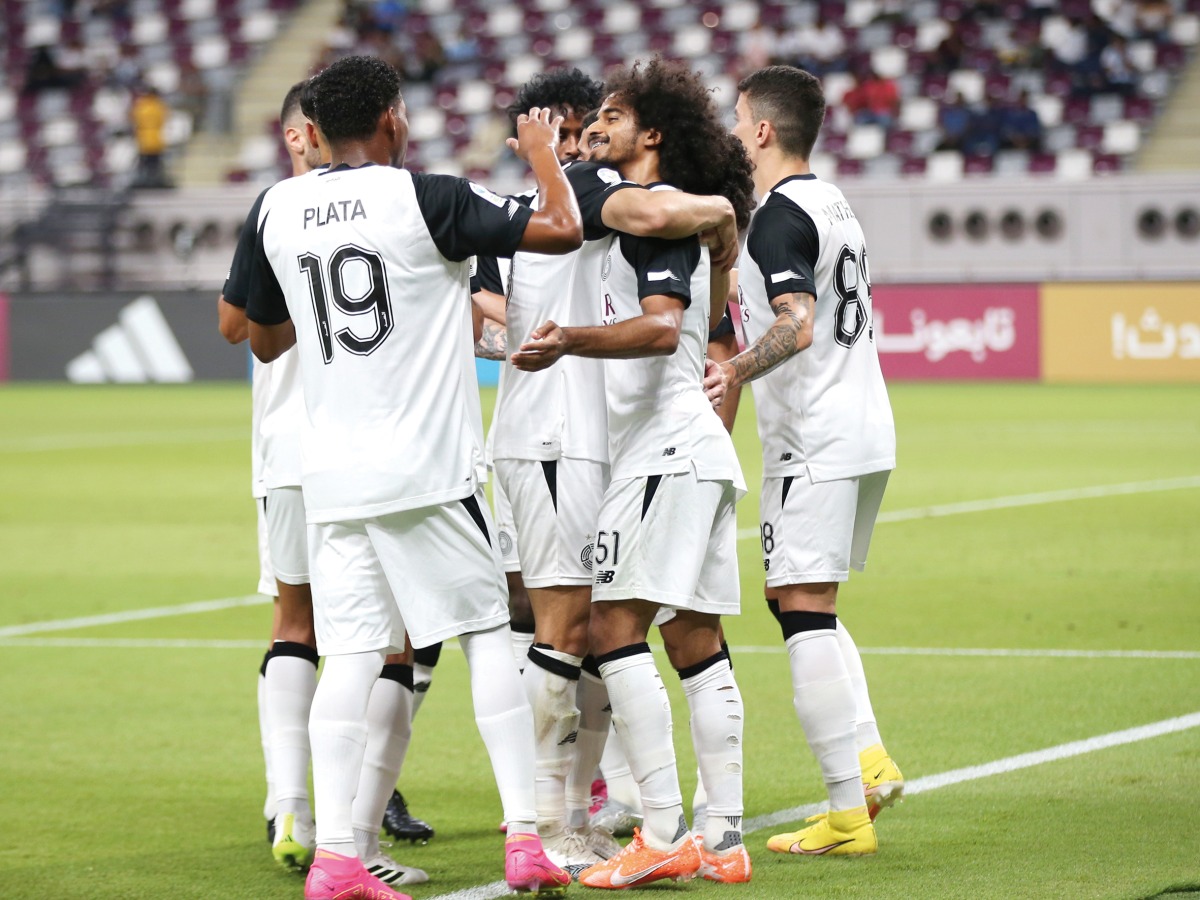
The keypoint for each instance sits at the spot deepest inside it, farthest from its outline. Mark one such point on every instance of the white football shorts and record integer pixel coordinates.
(287, 534)
(506, 529)
(554, 504)
(671, 540)
(433, 571)
(816, 533)
(266, 574)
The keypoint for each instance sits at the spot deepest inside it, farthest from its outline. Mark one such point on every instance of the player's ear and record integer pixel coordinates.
(314, 136)
(294, 139)
(651, 137)
(764, 133)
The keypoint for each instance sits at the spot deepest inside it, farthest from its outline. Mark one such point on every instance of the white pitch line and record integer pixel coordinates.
(134, 643)
(86, 441)
(228, 644)
(133, 615)
(1017, 500)
(927, 783)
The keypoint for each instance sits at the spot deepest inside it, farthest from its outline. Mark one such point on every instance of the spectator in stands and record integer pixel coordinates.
(874, 100)
(819, 47)
(149, 115)
(192, 94)
(45, 73)
(1152, 18)
(428, 58)
(1020, 127)
(954, 118)
(948, 56)
(1117, 69)
(983, 136)
(127, 71)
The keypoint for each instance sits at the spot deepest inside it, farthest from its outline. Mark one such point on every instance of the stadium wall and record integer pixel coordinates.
(1101, 332)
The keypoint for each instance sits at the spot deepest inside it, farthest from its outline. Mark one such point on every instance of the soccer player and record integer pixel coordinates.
(294, 675)
(551, 460)
(828, 441)
(666, 531)
(392, 442)
(290, 670)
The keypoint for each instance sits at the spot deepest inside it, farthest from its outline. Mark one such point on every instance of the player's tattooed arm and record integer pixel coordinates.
(493, 341)
(789, 334)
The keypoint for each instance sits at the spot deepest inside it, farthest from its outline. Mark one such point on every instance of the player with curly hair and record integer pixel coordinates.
(569, 93)
(666, 539)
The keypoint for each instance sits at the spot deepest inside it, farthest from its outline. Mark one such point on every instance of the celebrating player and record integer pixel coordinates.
(666, 532)
(827, 436)
(392, 439)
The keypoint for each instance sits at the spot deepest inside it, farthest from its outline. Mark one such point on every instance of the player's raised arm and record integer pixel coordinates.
(674, 214)
(555, 227)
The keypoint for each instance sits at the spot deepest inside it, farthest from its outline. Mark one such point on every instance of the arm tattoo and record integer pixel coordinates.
(781, 341)
(493, 342)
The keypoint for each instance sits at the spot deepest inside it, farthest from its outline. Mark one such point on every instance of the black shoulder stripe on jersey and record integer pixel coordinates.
(785, 245)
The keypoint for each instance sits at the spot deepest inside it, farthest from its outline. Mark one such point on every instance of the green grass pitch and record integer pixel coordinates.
(130, 768)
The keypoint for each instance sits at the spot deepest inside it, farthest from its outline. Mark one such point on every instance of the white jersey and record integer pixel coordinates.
(558, 412)
(282, 423)
(260, 386)
(660, 421)
(825, 411)
(391, 414)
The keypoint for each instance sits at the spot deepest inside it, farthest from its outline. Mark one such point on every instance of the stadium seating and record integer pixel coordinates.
(184, 47)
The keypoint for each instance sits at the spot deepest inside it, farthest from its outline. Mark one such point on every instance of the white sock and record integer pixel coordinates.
(824, 702)
(505, 722)
(264, 734)
(551, 691)
(717, 719)
(422, 679)
(617, 777)
(594, 720)
(291, 680)
(338, 731)
(641, 713)
(389, 728)
(866, 731)
(521, 642)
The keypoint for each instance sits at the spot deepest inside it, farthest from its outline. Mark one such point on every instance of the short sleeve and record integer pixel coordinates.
(593, 185)
(266, 304)
(237, 284)
(486, 275)
(466, 219)
(662, 266)
(784, 244)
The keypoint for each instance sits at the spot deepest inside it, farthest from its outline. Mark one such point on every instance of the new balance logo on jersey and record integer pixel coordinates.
(785, 457)
(605, 576)
(140, 347)
(669, 451)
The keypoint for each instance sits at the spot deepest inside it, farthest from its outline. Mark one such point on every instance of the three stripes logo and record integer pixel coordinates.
(140, 347)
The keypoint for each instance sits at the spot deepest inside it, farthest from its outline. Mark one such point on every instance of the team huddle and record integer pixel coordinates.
(607, 290)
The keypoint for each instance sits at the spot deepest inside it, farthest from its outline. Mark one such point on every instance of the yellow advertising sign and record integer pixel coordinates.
(1121, 332)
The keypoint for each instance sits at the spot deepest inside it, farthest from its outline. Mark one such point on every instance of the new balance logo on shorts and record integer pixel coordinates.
(670, 451)
(605, 576)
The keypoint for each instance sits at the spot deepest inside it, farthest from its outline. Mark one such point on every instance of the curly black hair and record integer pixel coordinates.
(563, 90)
(697, 153)
(792, 101)
(347, 99)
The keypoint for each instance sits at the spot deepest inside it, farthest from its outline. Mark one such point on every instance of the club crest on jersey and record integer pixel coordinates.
(506, 543)
(494, 199)
(585, 556)
(607, 267)
(336, 211)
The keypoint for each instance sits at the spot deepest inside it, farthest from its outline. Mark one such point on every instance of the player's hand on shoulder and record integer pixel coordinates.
(546, 344)
(535, 129)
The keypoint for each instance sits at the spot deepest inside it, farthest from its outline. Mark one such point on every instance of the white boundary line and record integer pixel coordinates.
(133, 615)
(223, 644)
(1018, 500)
(86, 441)
(927, 783)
